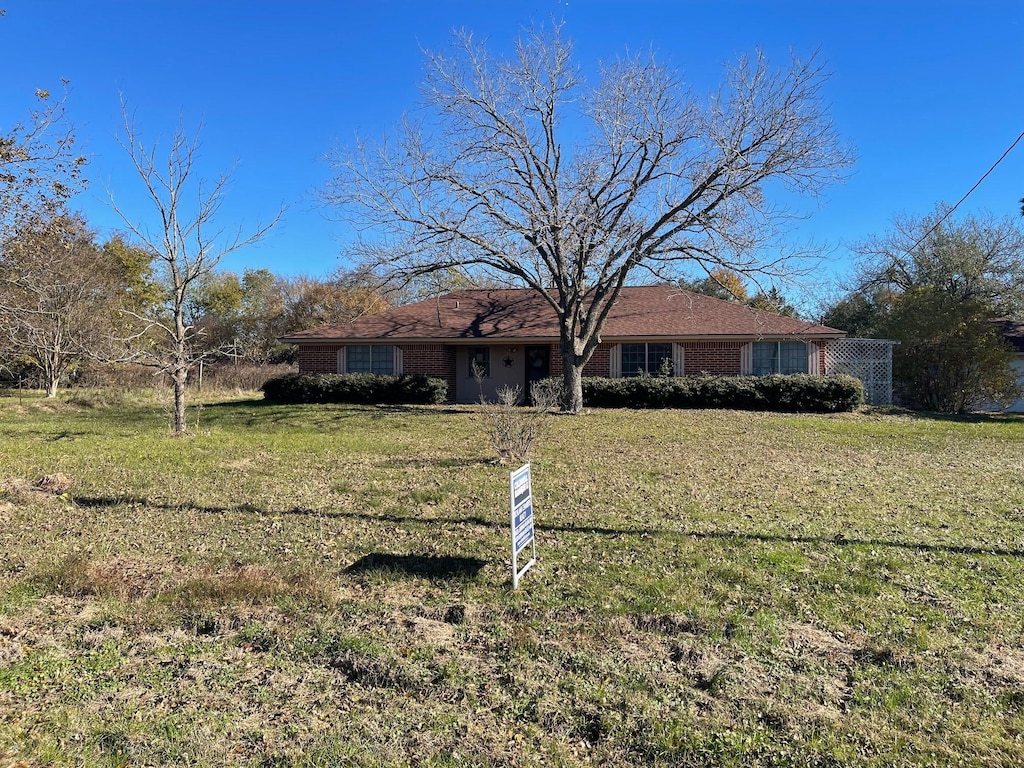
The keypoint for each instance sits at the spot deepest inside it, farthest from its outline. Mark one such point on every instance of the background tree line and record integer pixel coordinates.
(67, 300)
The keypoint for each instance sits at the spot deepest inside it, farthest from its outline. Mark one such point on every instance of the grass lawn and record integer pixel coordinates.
(330, 585)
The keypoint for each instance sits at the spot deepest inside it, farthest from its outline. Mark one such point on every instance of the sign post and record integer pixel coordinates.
(521, 493)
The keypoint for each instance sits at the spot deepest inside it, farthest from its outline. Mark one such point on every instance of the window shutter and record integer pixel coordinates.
(341, 360)
(747, 359)
(813, 359)
(678, 359)
(398, 361)
(615, 362)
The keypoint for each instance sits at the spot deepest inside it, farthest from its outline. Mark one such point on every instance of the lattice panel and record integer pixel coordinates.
(870, 360)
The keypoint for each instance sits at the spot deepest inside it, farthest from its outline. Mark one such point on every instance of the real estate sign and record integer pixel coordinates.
(521, 493)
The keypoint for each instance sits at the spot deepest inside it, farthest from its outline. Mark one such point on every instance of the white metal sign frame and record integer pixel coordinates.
(521, 504)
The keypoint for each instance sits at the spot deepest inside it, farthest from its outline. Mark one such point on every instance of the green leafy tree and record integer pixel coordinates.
(135, 265)
(772, 300)
(236, 316)
(951, 356)
(860, 312)
(936, 284)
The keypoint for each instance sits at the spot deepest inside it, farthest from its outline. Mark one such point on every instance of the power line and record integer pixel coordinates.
(977, 184)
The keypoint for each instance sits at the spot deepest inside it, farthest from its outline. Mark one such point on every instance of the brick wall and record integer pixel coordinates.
(555, 359)
(436, 360)
(600, 362)
(598, 365)
(715, 357)
(319, 358)
(719, 358)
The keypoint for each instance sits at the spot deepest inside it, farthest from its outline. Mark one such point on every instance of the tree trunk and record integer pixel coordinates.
(572, 377)
(179, 376)
(179, 357)
(51, 374)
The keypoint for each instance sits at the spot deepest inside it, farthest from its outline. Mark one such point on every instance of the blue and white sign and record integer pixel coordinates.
(522, 521)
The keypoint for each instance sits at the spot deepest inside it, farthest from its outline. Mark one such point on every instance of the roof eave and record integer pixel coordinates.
(617, 339)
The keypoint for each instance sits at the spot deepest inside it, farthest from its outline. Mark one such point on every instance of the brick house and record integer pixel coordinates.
(511, 335)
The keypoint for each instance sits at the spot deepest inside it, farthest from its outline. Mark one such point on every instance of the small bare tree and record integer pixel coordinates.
(187, 245)
(513, 428)
(652, 180)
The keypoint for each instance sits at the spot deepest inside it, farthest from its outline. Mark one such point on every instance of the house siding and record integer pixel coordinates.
(714, 357)
(437, 360)
(719, 358)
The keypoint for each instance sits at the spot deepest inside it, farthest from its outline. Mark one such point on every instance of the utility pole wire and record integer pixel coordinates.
(969, 192)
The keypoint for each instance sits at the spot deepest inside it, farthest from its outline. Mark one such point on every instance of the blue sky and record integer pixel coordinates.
(929, 93)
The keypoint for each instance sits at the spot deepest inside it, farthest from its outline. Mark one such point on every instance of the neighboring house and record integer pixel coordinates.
(511, 336)
(1013, 332)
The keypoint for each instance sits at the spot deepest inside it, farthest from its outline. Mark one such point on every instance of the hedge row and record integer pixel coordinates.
(798, 393)
(364, 388)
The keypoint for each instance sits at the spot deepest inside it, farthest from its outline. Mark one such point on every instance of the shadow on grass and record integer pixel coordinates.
(986, 417)
(425, 566)
(843, 541)
(369, 408)
(463, 461)
(595, 530)
(256, 412)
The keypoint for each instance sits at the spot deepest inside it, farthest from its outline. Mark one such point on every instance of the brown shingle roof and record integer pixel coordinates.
(521, 314)
(1013, 332)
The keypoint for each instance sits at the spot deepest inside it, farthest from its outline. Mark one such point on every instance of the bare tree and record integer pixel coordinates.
(489, 181)
(58, 296)
(186, 244)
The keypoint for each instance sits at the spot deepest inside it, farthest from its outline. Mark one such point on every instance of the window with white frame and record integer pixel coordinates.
(370, 358)
(652, 359)
(779, 357)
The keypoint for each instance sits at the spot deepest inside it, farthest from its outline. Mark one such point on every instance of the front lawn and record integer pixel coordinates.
(330, 585)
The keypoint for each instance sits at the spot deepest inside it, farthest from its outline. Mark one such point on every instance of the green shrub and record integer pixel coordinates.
(362, 388)
(798, 393)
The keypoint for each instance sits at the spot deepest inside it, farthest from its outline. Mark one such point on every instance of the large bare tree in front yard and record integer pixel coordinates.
(187, 244)
(518, 170)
